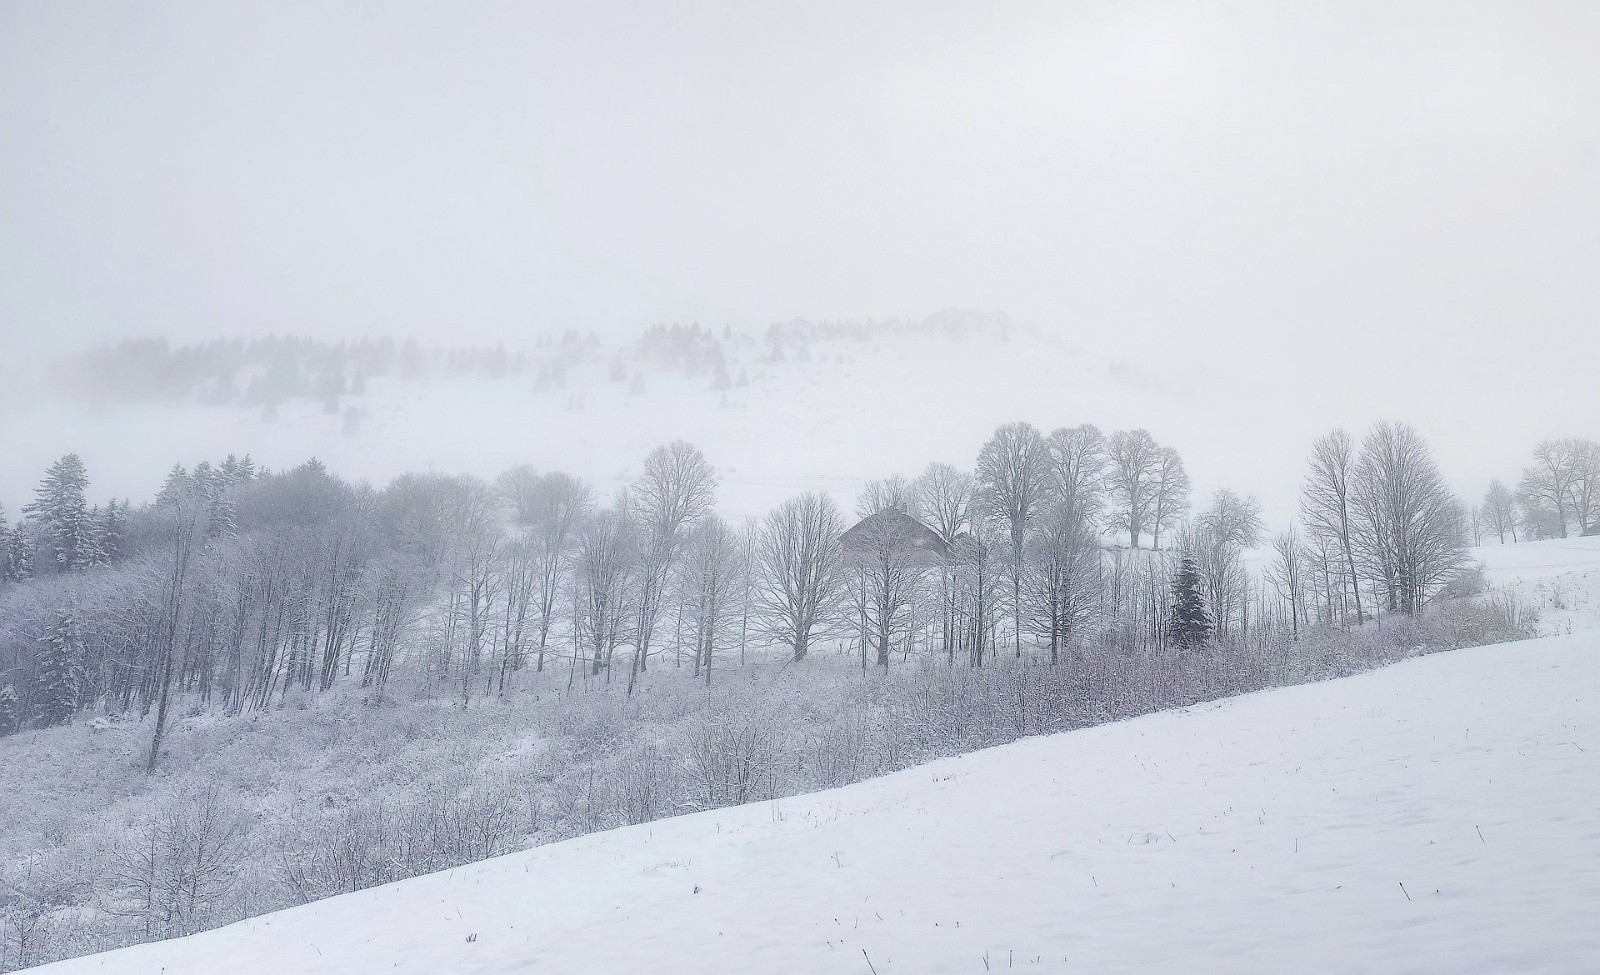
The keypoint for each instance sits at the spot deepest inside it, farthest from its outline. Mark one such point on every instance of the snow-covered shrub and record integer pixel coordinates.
(730, 754)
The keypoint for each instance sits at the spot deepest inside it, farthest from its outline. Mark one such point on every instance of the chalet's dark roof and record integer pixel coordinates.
(966, 548)
(895, 531)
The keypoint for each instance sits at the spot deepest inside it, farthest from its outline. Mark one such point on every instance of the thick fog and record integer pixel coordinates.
(1337, 214)
(1414, 182)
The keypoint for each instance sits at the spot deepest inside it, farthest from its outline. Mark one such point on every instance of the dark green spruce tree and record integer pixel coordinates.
(1190, 623)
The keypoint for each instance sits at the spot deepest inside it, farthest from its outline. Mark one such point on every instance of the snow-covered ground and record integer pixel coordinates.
(1435, 816)
(1560, 578)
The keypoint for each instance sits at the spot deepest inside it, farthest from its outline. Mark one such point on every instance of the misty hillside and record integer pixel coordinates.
(776, 413)
(1431, 816)
(801, 406)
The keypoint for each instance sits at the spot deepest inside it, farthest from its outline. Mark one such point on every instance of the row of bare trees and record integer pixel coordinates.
(242, 591)
(1379, 531)
(1558, 494)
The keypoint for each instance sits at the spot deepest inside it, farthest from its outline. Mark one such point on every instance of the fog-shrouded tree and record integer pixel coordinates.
(1287, 573)
(477, 531)
(61, 510)
(514, 568)
(945, 496)
(885, 493)
(675, 489)
(978, 579)
(1063, 575)
(181, 519)
(604, 584)
(1171, 499)
(1014, 476)
(1585, 490)
(944, 499)
(710, 580)
(1409, 526)
(1215, 547)
(799, 578)
(517, 487)
(1499, 511)
(888, 553)
(1233, 519)
(1325, 506)
(1546, 484)
(556, 507)
(1133, 469)
(545, 511)
(1078, 470)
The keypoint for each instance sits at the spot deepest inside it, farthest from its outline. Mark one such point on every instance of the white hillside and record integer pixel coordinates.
(848, 409)
(1434, 816)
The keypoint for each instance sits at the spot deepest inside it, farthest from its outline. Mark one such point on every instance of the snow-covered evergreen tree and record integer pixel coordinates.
(5, 546)
(215, 488)
(57, 673)
(174, 487)
(63, 514)
(111, 530)
(92, 542)
(10, 710)
(1190, 624)
(16, 562)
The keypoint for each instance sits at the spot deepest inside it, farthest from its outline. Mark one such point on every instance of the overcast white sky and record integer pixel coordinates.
(1415, 186)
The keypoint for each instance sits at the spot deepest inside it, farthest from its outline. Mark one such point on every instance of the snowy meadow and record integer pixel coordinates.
(262, 688)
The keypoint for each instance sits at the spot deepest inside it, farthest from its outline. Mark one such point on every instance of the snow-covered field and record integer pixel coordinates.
(1437, 816)
(1560, 578)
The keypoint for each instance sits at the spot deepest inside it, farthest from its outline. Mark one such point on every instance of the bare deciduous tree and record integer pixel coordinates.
(1409, 526)
(1499, 511)
(550, 514)
(1233, 519)
(883, 494)
(1078, 470)
(1545, 484)
(1287, 573)
(1014, 474)
(799, 577)
(1171, 500)
(946, 496)
(604, 583)
(1063, 577)
(676, 488)
(1325, 504)
(1585, 489)
(710, 582)
(1133, 467)
(889, 552)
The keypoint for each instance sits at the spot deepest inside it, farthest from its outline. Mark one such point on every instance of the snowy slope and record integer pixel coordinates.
(1560, 578)
(1435, 816)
